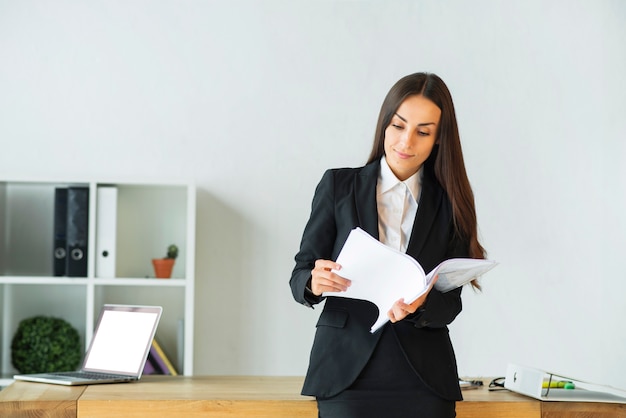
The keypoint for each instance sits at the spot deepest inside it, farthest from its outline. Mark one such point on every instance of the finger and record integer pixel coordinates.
(324, 281)
(398, 314)
(324, 278)
(331, 285)
(405, 307)
(399, 311)
(333, 277)
(394, 314)
(327, 265)
(335, 280)
(324, 268)
(340, 281)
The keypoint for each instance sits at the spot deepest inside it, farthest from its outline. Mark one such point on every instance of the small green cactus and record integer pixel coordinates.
(172, 251)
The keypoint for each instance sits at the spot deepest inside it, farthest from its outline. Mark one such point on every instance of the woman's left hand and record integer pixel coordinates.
(401, 310)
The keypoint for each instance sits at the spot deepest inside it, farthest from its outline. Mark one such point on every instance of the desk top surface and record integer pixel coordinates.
(249, 396)
(240, 388)
(40, 392)
(201, 388)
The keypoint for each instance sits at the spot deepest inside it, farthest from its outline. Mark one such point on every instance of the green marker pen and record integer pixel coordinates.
(560, 384)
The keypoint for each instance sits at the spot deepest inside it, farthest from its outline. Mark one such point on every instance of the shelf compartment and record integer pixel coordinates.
(21, 301)
(26, 227)
(149, 219)
(169, 334)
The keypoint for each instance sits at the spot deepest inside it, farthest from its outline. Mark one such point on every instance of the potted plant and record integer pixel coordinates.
(45, 344)
(163, 266)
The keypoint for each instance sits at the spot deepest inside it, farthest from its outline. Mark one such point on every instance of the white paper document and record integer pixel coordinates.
(383, 275)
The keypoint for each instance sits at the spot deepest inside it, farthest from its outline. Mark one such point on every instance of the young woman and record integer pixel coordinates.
(413, 195)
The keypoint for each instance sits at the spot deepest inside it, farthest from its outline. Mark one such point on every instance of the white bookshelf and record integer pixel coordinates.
(150, 216)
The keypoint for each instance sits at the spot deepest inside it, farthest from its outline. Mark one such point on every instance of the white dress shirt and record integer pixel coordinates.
(397, 206)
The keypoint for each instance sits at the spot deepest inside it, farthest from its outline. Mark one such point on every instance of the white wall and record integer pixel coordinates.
(253, 100)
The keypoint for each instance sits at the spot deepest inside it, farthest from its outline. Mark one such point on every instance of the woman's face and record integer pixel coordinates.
(410, 137)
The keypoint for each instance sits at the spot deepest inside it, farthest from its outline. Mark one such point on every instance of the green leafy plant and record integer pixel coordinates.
(45, 344)
(172, 251)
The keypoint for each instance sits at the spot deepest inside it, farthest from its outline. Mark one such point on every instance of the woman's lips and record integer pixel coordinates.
(402, 155)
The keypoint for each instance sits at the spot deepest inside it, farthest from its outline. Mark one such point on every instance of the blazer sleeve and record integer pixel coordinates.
(317, 242)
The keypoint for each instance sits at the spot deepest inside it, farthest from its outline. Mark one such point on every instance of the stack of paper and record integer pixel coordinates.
(383, 275)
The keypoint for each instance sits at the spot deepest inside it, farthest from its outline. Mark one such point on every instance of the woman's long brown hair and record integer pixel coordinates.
(446, 157)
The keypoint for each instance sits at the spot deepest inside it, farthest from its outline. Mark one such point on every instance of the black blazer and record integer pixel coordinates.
(344, 199)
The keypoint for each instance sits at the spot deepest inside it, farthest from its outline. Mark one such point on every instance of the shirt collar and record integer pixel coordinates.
(387, 180)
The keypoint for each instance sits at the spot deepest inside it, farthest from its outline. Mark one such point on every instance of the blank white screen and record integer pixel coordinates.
(121, 341)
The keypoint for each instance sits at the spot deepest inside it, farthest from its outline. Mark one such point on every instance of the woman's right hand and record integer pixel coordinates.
(324, 280)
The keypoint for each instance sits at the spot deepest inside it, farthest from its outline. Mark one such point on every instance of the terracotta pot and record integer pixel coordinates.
(163, 267)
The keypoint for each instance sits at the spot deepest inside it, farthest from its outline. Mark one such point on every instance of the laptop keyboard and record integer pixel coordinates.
(90, 376)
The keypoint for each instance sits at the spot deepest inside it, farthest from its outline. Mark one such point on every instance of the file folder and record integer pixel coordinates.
(106, 233)
(77, 231)
(60, 231)
(538, 384)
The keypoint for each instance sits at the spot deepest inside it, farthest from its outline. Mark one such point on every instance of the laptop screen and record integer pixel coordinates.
(122, 339)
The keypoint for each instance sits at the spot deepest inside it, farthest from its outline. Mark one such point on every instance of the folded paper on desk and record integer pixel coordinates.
(383, 275)
(538, 384)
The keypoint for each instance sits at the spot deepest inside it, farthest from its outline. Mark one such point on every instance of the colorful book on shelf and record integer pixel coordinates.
(149, 368)
(158, 362)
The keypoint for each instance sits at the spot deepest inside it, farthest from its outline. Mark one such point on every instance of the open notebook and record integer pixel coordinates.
(118, 350)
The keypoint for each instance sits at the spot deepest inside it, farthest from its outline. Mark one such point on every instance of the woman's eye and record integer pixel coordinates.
(396, 126)
(423, 133)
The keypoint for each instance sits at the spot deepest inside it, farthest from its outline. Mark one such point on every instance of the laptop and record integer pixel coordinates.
(117, 352)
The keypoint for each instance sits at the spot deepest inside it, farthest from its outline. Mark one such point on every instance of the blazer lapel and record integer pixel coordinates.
(430, 200)
(365, 198)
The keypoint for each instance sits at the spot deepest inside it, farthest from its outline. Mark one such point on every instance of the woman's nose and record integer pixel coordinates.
(405, 138)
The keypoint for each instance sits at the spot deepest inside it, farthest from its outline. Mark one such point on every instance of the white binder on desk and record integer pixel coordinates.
(547, 386)
(106, 231)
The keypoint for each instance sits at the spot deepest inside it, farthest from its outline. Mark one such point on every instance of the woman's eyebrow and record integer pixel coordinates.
(404, 120)
(419, 124)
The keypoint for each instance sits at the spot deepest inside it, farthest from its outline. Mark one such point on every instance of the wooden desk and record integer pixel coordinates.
(23, 399)
(255, 397)
(179, 396)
